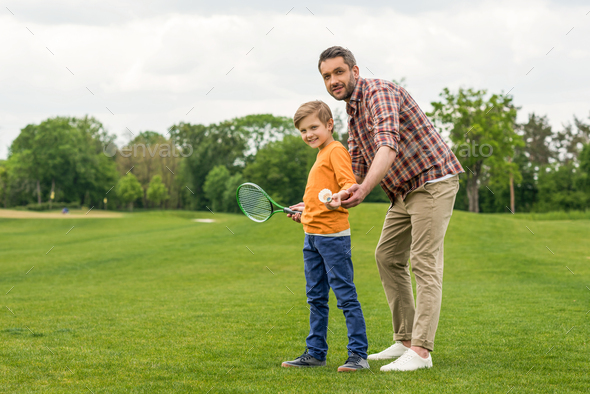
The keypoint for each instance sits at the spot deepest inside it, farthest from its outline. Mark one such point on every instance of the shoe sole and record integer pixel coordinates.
(411, 370)
(300, 366)
(346, 369)
(383, 358)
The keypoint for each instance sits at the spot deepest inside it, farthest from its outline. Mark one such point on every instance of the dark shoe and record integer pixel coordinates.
(353, 364)
(305, 360)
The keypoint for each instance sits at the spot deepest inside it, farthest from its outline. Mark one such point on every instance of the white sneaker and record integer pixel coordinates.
(395, 350)
(410, 361)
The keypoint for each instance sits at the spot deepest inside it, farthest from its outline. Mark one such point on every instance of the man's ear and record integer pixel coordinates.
(356, 72)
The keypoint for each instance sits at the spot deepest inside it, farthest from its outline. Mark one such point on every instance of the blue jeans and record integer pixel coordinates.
(328, 265)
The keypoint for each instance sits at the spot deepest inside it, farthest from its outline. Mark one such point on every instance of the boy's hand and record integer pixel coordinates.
(296, 207)
(336, 201)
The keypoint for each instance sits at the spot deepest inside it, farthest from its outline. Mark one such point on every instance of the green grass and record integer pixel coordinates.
(156, 302)
(558, 215)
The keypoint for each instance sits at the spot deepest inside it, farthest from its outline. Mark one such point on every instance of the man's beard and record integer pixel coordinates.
(348, 89)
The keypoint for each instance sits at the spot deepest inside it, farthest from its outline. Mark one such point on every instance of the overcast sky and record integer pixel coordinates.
(156, 63)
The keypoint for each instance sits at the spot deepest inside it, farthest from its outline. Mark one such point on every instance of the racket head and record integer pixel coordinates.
(254, 202)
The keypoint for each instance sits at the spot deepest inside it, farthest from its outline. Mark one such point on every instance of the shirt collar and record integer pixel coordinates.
(357, 96)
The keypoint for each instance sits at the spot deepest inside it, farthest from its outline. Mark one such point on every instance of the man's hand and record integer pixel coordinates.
(337, 200)
(381, 164)
(358, 195)
(296, 207)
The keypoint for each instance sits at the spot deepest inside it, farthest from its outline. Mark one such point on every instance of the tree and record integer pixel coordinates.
(536, 152)
(561, 189)
(537, 136)
(401, 82)
(230, 203)
(17, 190)
(150, 153)
(340, 130)
(482, 130)
(142, 156)
(95, 172)
(157, 191)
(582, 182)
(585, 159)
(215, 186)
(281, 169)
(212, 146)
(64, 155)
(45, 151)
(233, 143)
(262, 129)
(3, 183)
(570, 141)
(129, 189)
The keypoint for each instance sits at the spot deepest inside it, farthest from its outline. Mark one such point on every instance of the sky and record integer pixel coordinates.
(147, 65)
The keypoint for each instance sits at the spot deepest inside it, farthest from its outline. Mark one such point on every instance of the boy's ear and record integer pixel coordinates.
(331, 125)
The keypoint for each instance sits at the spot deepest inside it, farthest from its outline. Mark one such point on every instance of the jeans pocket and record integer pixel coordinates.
(347, 261)
(345, 246)
(429, 187)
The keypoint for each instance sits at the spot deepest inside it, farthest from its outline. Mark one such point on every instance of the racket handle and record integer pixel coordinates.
(290, 211)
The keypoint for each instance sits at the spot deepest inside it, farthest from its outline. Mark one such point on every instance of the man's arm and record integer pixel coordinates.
(381, 164)
(359, 166)
(383, 105)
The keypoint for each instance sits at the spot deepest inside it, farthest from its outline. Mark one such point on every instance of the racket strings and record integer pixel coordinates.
(254, 203)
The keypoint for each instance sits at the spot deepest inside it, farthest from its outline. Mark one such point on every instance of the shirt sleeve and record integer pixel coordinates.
(359, 166)
(384, 104)
(342, 165)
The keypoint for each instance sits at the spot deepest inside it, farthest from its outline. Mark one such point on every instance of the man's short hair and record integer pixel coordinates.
(337, 51)
(316, 107)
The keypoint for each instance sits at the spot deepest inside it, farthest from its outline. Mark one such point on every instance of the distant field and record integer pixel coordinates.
(155, 302)
(56, 214)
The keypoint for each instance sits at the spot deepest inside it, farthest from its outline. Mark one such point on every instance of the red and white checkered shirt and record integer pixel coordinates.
(384, 114)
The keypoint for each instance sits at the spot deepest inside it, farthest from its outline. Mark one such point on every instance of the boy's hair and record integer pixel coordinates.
(316, 107)
(337, 51)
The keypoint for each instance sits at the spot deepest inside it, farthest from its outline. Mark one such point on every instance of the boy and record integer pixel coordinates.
(326, 250)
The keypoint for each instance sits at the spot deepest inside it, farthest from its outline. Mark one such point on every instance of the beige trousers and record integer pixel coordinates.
(415, 229)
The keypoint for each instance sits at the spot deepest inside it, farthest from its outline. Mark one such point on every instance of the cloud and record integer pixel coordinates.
(150, 64)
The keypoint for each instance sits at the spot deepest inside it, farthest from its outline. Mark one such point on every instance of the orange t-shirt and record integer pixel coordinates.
(332, 170)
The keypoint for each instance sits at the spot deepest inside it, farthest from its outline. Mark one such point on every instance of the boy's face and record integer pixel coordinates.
(339, 79)
(314, 133)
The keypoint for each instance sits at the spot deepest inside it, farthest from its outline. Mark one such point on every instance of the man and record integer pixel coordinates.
(392, 143)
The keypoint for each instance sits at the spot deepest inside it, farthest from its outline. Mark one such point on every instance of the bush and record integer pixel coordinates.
(215, 186)
(157, 191)
(45, 206)
(129, 189)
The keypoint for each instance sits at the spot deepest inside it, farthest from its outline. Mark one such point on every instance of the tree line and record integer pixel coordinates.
(74, 162)
(531, 166)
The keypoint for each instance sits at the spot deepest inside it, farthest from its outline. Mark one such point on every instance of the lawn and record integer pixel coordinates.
(157, 302)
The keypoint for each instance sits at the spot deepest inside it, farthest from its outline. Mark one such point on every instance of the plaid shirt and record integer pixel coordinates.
(384, 114)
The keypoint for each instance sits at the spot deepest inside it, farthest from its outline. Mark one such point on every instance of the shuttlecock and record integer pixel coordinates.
(325, 195)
